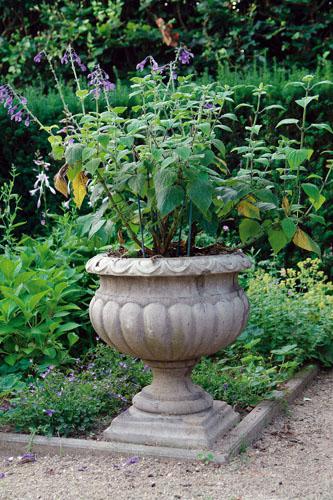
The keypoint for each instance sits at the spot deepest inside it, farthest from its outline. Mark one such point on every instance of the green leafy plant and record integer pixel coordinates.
(158, 169)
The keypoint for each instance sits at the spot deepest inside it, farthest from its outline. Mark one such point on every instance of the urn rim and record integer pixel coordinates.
(105, 265)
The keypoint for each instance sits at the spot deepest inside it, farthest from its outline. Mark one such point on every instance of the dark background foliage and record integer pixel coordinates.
(121, 32)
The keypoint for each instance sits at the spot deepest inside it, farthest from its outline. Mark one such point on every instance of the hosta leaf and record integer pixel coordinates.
(303, 240)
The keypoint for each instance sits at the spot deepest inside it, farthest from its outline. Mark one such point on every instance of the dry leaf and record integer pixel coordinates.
(79, 188)
(60, 182)
(286, 205)
(169, 38)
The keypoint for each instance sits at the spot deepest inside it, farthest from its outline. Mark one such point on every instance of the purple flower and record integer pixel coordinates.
(16, 112)
(71, 55)
(38, 57)
(225, 228)
(100, 80)
(140, 66)
(122, 364)
(208, 105)
(132, 460)
(49, 413)
(27, 121)
(225, 386)
(71, 377)
(153, 64)
(185, 56)
(26, 458)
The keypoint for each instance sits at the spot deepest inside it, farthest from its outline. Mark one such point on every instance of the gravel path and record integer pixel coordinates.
(293, 460)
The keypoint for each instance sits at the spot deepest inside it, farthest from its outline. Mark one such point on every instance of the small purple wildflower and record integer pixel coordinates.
(132, 460)
(99, 80)
(71, 55)
(15, 111)
(38, 57)
(26, 458)
(153, 64)
(225, 228)
(2, 475)
(71, 377)
(49, 413)
(123, 365)
(50, 368)
(208, 105)
(225, 386)
(185, 56)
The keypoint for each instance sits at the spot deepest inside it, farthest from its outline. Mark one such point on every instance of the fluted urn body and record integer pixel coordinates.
(170, 312)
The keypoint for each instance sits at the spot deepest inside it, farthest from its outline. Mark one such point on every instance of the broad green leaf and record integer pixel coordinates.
(165, 163)
(73, 154)
(92, 165)
(306, 100)
(11, 359)
(287, 121)
(35, 299)
(168, 198)
(220, 146)
(230, 116)
(277, 239)
(322, 126)
(314, 195)
(249, 229)
(296, 157)
(289, 227)
(96, 226)
(104, 140)
(274, 106)
(303, 240)
(184, 152)
(72, 338)
(317, 218)
(87, 153)
(50, 352)
(200, 192)
(71, 325)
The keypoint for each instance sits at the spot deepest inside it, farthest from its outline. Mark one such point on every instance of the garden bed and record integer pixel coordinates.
(245, 433)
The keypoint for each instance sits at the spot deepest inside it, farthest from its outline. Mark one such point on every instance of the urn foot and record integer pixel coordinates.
(194, 431)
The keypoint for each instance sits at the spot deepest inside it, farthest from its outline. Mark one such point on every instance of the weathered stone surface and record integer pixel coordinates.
(170, 312)
(191, 431)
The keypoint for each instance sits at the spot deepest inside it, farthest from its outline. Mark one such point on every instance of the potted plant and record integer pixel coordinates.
(156, 174)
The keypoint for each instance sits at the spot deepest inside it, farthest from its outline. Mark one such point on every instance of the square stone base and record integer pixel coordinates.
(197, 430)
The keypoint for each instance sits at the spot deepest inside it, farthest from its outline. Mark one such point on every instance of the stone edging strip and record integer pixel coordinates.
(243, 435)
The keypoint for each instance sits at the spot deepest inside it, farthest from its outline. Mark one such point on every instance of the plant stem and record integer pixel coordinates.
(115, 206)
(189, 230)
(141, 228)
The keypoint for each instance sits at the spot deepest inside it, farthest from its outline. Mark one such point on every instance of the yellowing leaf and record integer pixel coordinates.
(248, 209)
(60, 182)
(286, 205)
(303, 240)
(79, 188)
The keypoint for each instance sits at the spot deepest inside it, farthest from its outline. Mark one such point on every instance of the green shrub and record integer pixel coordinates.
(293, 310)
(38, 306)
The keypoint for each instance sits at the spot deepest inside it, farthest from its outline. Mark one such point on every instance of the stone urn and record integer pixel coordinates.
(170, 312)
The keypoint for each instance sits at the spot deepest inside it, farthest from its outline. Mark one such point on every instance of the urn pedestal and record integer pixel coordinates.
(170, 312)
